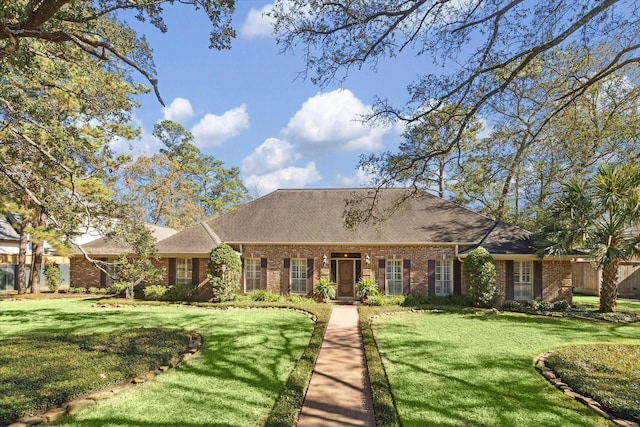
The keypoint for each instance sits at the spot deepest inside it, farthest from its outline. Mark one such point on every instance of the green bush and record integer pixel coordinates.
(265, 295)
(177, 293)
(561, 305)
(155, 292)
(96, 290)
(480, 276)
(52, 276)
(366, 288)
(117, 288)
(376, 299)
(545, 305)
(413, 300)
(224, 271)
(511, 305)
(325, 289)
(77, 290)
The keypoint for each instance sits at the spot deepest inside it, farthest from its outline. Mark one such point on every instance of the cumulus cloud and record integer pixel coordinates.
(213, 130)
(257, 24)
(270, 155)
(362, 178)
(330, 122)
(179, 111)
(290, 177)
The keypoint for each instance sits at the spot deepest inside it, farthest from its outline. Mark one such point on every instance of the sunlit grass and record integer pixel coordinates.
(246, 358)
(593, 303)
(468, 368)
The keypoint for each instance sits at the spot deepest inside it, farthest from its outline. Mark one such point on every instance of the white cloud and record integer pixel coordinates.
(179, 111)
(362, 178)
(257, 24)
(291, 177)
(270, 155)
(212, 130)
(330, 122)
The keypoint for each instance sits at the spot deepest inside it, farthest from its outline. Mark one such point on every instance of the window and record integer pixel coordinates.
(112, 273)
(299, 276)
(184, 271)
(444, 277)
(251, 274)
(522, 280)
(393, 276)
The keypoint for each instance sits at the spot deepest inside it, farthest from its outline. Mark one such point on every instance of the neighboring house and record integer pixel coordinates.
(9, 247)
(290, 238)
(84, 274)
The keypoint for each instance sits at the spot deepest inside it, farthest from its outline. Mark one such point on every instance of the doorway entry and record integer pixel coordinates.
(346, 278)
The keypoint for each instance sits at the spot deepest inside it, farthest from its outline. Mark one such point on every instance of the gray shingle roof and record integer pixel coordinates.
(109, 247)
(7, 232)
(317, 217)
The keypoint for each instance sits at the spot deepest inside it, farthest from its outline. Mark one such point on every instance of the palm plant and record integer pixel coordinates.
(599, 218)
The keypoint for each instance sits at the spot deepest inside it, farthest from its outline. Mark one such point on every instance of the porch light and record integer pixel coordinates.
(367, 259)
(324, 260)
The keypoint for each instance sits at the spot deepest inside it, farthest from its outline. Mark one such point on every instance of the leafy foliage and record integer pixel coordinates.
(52, 275)
(481, 278)
(325, 289)
(367, 287)
(599, 217)
(224, 271)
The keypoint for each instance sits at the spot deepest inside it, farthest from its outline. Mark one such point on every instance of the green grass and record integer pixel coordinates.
(609, 373)
(240, 372)
(593, 302)
(43, 370)
(476, 368)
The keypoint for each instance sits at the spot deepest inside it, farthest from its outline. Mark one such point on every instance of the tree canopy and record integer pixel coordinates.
(543, 77)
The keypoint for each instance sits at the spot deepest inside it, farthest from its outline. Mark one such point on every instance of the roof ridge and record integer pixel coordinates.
(216, 239)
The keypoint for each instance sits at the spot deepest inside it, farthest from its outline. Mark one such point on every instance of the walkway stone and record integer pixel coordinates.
(339, 393)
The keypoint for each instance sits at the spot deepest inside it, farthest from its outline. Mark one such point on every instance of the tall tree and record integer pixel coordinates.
(469, 44)
(598, 216)
(181, 186)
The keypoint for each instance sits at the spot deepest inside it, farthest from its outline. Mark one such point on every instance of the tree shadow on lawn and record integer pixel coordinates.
(487, 391)
(234, 380)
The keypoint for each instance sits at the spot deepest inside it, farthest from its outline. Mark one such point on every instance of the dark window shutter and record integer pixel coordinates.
(457, 277)
(103, 275)
(263, 273)
(286, 275)
(382, 271)
(309, 275)
(243, 278)
(195, 271)
(431, 277)
(508, 291)
(172, 271)
(537, 280)
(406, 276)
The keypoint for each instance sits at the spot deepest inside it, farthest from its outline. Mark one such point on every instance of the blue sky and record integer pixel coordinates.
(246, 107)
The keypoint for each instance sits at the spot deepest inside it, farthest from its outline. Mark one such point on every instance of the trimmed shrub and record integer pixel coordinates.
(545, 305)
(224, 271)
(480, 276)
(376, 300)
(155, 292)
(561, 305)
(325, 289)
(177, 293)
(118, 288)
(52, 276)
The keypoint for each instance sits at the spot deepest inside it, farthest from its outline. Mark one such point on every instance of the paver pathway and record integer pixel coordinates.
(339, 393)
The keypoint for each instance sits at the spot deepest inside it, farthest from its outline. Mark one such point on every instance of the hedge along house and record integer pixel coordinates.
(290, 238)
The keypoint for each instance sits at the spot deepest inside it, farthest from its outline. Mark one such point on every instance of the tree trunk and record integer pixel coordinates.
(609, 287)
(22, 254)
(37, 256)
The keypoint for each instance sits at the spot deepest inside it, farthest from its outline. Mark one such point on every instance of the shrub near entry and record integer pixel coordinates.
(480, 275)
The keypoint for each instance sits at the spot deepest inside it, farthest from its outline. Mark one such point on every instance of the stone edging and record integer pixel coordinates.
(74, 406)
(545, 371)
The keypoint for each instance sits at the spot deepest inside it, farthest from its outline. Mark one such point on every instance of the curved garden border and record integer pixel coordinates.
(74, 406)
(545, 371)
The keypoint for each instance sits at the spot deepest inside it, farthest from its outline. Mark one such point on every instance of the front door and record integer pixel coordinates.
(346, 278)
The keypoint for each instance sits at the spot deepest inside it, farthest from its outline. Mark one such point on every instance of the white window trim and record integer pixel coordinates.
(444, 268)
(184, 271)
(520, 281)
(301, 279)
(397, 281)
(253, 273)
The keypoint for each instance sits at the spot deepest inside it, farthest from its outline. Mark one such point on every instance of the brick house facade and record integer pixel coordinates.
(290, 238)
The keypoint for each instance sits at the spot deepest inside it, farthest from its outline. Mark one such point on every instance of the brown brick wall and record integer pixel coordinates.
(82, 273)
(556, 281)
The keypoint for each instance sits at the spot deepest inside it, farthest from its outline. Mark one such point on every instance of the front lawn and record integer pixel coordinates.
(246, 359)
(592, 303)
(476, 368)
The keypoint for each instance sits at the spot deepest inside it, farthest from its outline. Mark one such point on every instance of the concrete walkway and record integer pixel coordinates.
(339, 393)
